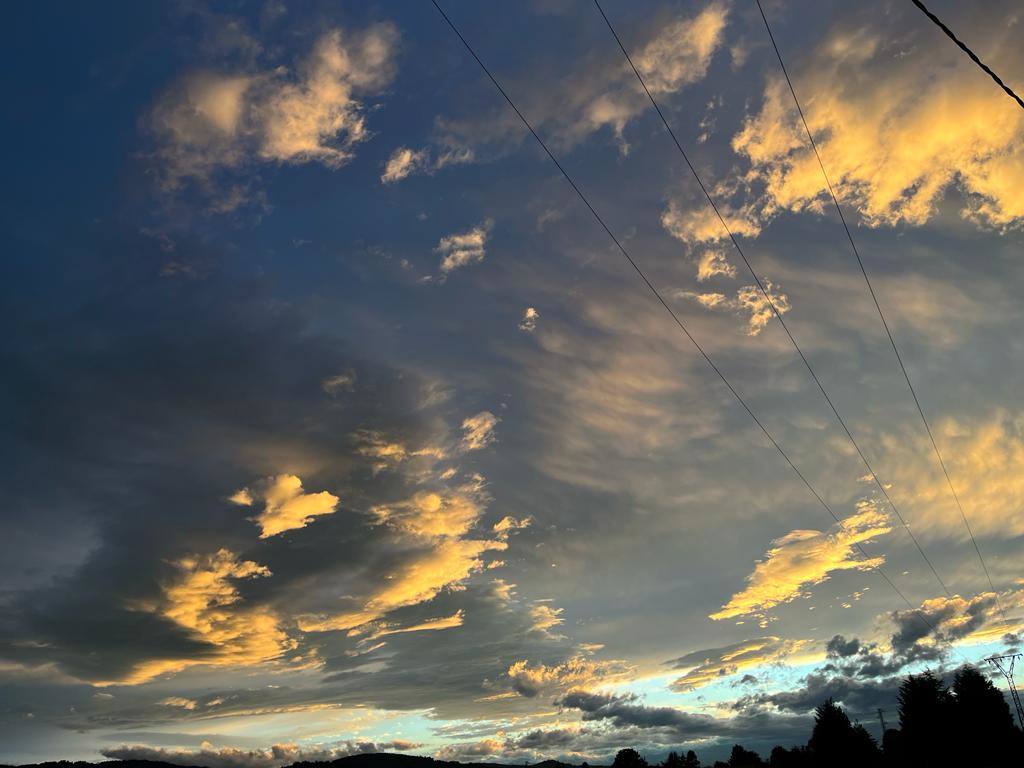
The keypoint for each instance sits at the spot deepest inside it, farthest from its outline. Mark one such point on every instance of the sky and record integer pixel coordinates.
(334, 422)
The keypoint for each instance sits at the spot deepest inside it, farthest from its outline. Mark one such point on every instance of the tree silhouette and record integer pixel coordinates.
(837, 743)
(744, 758)
(926, 715)
(982, 711)
(629, 758)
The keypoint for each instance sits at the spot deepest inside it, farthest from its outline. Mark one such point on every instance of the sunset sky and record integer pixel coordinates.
(334, 422)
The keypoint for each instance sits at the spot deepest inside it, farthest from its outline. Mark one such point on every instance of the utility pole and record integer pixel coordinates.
(881, 719)
(1005, 665)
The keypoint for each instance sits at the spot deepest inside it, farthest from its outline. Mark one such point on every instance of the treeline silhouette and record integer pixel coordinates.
(966, 725)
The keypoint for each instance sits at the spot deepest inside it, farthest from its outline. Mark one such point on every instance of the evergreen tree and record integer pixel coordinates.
(926, 716)
(982, 711)
(629, 758)
(744, 758)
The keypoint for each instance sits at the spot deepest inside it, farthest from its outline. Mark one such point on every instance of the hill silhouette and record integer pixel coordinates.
(368, 760)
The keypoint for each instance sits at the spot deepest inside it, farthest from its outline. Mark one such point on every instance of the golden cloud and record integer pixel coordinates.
(448, 563)
(986, 463)
(578, 672)
(705, 667)
(749, 300)
(804, 558)
(286, 505)
(893, 136)
(203, 600)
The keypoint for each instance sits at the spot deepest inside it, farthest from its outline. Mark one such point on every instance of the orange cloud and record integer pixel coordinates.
(287, 506)
(203, 600)
(802, 559)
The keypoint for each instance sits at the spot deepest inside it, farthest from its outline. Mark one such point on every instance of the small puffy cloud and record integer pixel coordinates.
(463, 248)
(545, 617)
(706, 666)
(212, 125)
(478, 431)
(271, 757)
(402, 163)
(286, 505)
(749, 300)
(405, 162)
(242, 498)
(317, 118)
(712, 263)
(529, 321)
(700, 225)
(894, 137)
(179, 701)
(340, 382)
(508, 523)
(531, 680)
(803, 559)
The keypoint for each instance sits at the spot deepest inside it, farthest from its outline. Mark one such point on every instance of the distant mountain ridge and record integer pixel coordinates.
(367, 760)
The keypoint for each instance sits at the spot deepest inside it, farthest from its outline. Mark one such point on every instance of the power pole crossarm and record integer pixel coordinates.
(1005, 665)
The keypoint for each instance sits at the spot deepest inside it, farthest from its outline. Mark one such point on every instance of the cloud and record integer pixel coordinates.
(712, 263)
(464, 248)
(439, 522)
(531, 680)
(857, 695)
(894, 137)
(749, 300)
(478, 431)
(948, 619)
(448, 513)
(546, 617)
(402, 163)
(212, 126)
(700, 225)
(529, 321)
(803, 559)
(202, 599)
(274, 756)
(605, 94)
(624, 711)
(448, 563)
(286, 506)
(179, 701)
(681, 51)
(339, 382)
(388, 453)
(985, 458)
(707, 666)
(431, 625)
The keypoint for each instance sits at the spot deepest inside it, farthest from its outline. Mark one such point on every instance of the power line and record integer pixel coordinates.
(657, 294)
(878, 306)
(963, 47)
(771, 303)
